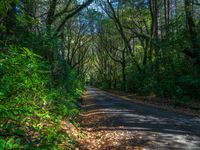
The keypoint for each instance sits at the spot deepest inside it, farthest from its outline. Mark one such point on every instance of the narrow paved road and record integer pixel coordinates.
(165, 129)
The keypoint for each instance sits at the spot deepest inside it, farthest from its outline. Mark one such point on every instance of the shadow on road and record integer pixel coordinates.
(142, 124)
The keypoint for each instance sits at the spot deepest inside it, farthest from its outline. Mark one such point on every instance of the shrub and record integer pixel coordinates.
(30, 109)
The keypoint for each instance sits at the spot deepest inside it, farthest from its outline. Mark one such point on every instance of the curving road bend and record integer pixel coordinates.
(167, 130)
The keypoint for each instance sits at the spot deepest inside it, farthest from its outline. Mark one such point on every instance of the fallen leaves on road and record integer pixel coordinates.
(97, 134)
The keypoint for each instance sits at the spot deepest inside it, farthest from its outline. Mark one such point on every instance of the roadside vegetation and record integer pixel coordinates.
(39, 87)
(49, 49)
(149, 48)
(33, 103)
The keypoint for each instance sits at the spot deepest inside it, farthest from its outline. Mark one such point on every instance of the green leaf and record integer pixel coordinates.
(10, 143)
(2, 144)
(1, 93)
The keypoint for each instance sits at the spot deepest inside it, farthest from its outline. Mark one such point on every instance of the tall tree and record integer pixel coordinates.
(194, 52)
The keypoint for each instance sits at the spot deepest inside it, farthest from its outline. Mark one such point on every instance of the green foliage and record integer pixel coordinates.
(140, 83)
(10, 143)
(43, 44)
(31, 108)
(172, 75)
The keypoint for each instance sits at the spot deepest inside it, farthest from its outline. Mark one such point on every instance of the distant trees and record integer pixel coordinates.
(151, 43)
(50, 47)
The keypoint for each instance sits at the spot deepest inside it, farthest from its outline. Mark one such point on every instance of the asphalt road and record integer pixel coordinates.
(168, 130)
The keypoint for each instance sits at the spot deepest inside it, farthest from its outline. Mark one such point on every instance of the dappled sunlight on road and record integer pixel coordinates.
(131, 125)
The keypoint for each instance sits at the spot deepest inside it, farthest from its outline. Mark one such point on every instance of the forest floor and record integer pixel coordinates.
(113, 122)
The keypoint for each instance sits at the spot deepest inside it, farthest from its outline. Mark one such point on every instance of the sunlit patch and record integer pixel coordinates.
(111, 123)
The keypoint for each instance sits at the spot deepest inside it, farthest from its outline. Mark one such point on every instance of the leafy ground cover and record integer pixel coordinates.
(31, 110)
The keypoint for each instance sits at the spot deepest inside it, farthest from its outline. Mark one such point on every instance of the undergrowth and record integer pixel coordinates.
(32, 106)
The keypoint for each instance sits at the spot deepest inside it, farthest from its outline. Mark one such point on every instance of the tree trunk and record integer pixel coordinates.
(51, 13)
(123, 78)
(123, 71)
(11, 20)
(194, 51)
(30, 11)
(154, 27)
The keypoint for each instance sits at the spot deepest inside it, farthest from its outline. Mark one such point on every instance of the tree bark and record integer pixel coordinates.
(51, 13)
(194, 52)
(11, 19)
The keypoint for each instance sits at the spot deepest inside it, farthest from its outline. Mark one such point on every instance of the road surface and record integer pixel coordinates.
(164, 129)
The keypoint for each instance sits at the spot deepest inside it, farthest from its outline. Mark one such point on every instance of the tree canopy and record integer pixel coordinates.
(50, 49)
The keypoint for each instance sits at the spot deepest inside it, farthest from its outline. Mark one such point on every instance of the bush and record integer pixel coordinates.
(175, 78)
(30, 109)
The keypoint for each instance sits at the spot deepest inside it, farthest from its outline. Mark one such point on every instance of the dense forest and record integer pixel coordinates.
(149, 47)
(50, 49)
